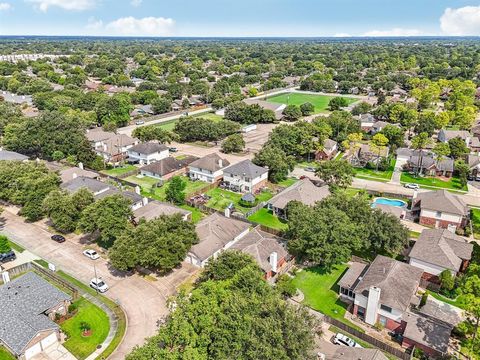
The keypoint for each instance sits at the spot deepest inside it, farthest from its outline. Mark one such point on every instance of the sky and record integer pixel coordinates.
(240, 18)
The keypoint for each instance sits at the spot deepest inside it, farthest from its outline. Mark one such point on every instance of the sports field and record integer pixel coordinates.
(319, 101)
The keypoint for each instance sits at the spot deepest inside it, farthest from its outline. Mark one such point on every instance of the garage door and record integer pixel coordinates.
(32, 351)
(49, 340)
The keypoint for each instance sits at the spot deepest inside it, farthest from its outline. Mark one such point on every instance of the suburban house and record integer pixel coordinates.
(473, 162)
(71, 173)
(12, 156)
(155, 209)
(366, 122)
(329, 150)
(216, 233)
(110, 146)
(142, 110)
(276, 108)
(245, 176)
(445, 135)
(208, 168)
(430, 166)
(404, 154)
(268, 250)
(382, 291)
(440, 209)
(167, 168)
(303, 191)
(146, 153)
(378, 126)
(360, 154)
(28, 305)
(437, 250)
(328, 351)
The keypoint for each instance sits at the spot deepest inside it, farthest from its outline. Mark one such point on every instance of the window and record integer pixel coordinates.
(438, 214)
(386, 308)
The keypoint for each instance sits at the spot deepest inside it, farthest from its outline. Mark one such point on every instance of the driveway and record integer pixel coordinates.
(55, 352)
(144, 302)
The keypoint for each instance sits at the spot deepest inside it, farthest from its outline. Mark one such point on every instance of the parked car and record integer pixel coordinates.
(310, 169)
(139, 122)
(412, 186)
(344, 340)
(58, 238)
(470, 177)
(92, 254)
(8, 256)
(98, 284)
(173, 149)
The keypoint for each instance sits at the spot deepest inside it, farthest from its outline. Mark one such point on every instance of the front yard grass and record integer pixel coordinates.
(267, 218)
(287, 182)
(5, 354)
(79, 345)
(368, 174)
(117, 171)
(432, 182)
(142, 181)
(220, 199)
(321, 291)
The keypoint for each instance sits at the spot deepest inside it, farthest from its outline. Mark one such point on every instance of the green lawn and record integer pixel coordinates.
(158, 193)
(386, 175)
(265, 217)
(319, 101)
(5, 355)
(77, 344)
(143, 181)
(432, 182)
(210, 116)
(119, 170)
(321, 291)
(475, 216)
(16, 247)
(197, 215)
(220, 199)
(287, 182)
(170, 125)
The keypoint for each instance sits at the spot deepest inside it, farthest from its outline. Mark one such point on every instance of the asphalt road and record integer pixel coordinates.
(143, 302)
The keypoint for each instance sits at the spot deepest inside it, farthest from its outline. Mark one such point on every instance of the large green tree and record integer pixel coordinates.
(175, 192)
(279, 164)
(336, 173)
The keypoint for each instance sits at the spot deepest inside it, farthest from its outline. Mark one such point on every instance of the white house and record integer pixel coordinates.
(245, 176)
(208, 168)
(146, 153)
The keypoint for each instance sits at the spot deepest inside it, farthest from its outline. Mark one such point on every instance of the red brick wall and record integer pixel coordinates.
(393, 325)
(430, 278)
(432, 222)
(175, 173)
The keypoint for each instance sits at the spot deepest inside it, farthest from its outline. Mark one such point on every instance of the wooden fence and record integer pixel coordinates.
(401, 354)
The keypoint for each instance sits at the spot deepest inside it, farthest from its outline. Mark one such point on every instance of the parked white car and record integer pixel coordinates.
(98, 284)
(92, 254)
(341, 339)
(412, 186)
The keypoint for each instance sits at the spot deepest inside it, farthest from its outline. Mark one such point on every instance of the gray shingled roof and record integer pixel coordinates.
(210, 162)
(398, 281)
(155, 209)
(451, 134)
(84, 182)
(168, 165)
(427, 331)
(442, 248)
(148, 148)
(23, 303)
(440, 310)
(351, 276)
(12, 155)
(304, 191)
(442, 200)
(427, 161)
(214, 232)
(246, 168)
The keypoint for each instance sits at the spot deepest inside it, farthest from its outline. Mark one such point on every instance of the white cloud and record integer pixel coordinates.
(77, 5)
(148, 26)
(136, 3)
(392, 32)
(5, 6)
(461, 21)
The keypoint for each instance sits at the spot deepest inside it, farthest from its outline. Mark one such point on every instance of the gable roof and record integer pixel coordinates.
(155, 209)
(398, 281)
(303, 190)
(355, 270)
(427, 162)
(451, 134)
(98, 134)
(214, 232)
(442, 311)
(12, 155)
(442, 248)
(114, 144)
(261, 245)
(210, 162)
(277, 108)
(246, 168)
(168, 165)
(442, 200)
(84, 182)
(427, 331)
(73, 172)
(148, 148)
(23, 303)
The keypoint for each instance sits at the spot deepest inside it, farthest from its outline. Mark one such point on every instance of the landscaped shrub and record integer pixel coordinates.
(72, 308)
(4, 244)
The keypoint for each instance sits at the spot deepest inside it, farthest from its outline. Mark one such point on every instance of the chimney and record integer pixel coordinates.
(220, 162)
(227, 212)
(273, 260)
(373, 303)
(80, 165)
(144, 201)
(74, 175)
(137, 189)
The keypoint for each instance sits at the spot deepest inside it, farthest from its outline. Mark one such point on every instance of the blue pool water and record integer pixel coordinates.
(391, 202)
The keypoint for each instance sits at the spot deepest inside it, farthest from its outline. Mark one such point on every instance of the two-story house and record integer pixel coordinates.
(111, 147)
(440, 209)
(330, 148)
(245, 176)
(208, 168)
(146, 153)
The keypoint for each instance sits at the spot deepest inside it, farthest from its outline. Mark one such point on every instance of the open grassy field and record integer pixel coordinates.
(319, 101)
(170, 125)
(79, 345)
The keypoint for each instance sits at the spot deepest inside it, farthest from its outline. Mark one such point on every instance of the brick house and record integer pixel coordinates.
(330, 148)
(382, 291)
(245, 176)
(440, 209)
(428, 165)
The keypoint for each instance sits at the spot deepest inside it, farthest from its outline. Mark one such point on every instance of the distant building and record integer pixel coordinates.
(276, 108)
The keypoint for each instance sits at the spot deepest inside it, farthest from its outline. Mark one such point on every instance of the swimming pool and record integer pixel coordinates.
(390, 202)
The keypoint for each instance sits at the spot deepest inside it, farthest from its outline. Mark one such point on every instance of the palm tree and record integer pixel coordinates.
(420, 142)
